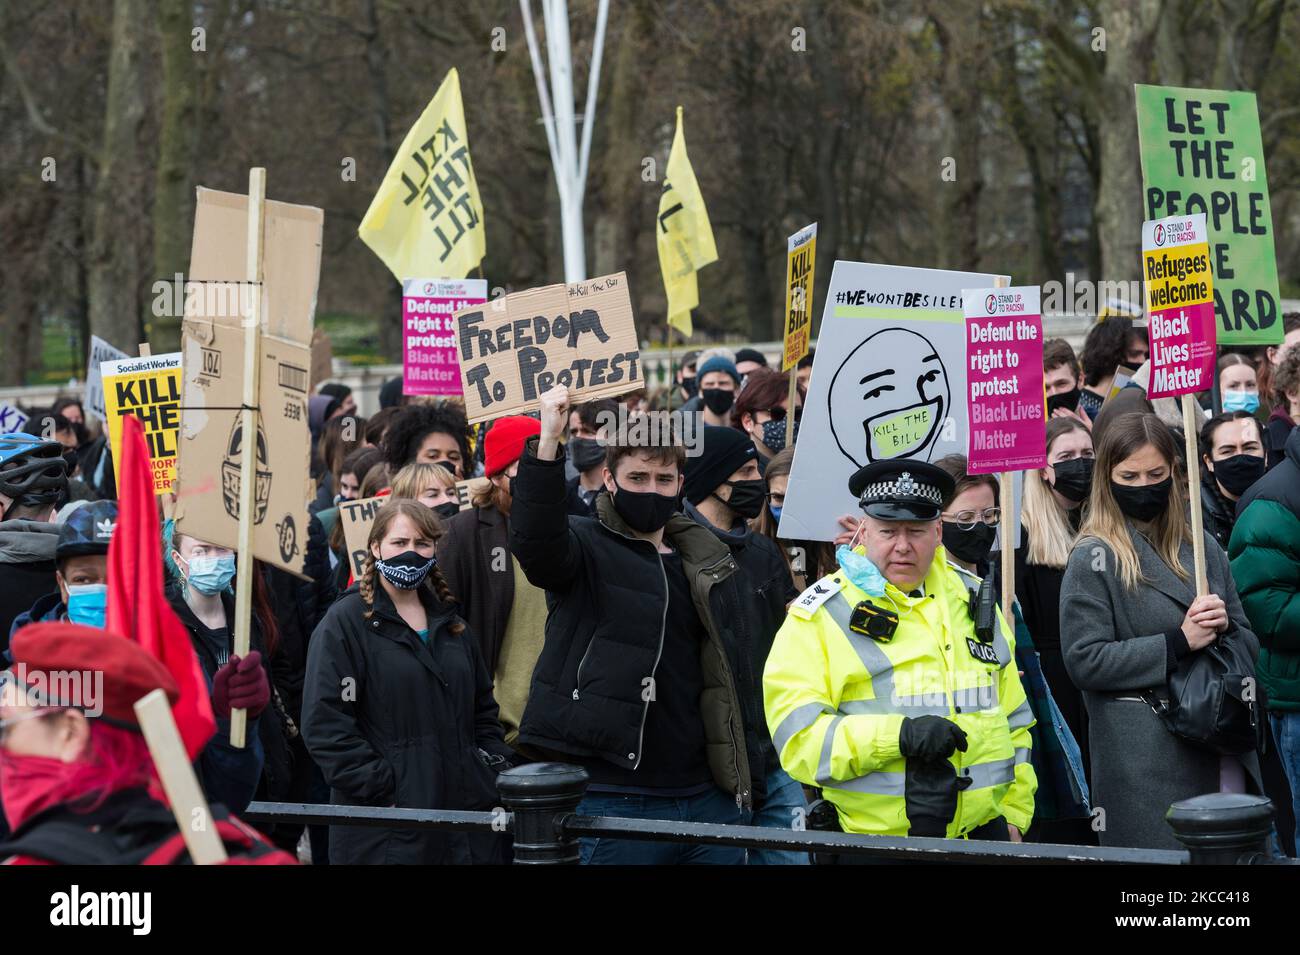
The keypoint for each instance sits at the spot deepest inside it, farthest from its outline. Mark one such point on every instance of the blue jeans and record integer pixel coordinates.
(1286, 733)
(713, 805)
(783, 805)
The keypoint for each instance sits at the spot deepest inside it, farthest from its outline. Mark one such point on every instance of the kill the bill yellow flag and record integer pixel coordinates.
(685, 236)
(426, 220)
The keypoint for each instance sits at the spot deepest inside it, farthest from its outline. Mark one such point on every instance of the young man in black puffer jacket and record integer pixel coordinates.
(639, 676)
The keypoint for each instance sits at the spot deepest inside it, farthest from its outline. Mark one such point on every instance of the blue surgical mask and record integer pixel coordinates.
(211, 575)
(87, 604)
(859, 569)
(776, 512)
(1246, 401)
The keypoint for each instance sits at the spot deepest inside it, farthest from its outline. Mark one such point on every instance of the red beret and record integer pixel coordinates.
(46, 654)
(505, 442)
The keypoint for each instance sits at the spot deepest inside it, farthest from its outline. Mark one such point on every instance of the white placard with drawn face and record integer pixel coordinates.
(889, 381)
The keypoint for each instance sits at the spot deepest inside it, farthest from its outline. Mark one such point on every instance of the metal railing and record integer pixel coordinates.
(539, 809)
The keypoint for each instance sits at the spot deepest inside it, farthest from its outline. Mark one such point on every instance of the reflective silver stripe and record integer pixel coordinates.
(923, 705)
(801, 718)
(824, 777)
(1000, 646)
(1022, 755)
(997, 773)
(876, 784)
(868, 651)
(1021, 716)
(976, 698)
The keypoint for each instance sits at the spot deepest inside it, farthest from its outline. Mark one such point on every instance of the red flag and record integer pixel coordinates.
(137, 606)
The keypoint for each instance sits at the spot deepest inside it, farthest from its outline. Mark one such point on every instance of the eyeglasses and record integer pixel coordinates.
(778, 413)
(966, 520)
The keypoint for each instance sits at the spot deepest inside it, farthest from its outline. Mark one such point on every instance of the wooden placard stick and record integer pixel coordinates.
(1191, 415)
(248, 441)
(193, 817)
(789, 407)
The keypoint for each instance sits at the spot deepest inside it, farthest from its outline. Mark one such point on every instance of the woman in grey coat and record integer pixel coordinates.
(1129, 613)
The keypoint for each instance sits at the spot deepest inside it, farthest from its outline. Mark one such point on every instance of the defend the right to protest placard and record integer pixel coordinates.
(429, 363)
(1180, 300)
(580, 335)
(1004, 379)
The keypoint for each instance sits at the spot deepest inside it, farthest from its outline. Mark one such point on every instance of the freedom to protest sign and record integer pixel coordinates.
(11, 419)
(100, 352)
(1202, 153)
(801, 254)
(1004, 380)
(580, 335)
(1180, 301)
(429, 363)
(150, 389)
(889, 382)
(357, 517)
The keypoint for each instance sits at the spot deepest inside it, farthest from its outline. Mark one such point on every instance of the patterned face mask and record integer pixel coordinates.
(407, 570)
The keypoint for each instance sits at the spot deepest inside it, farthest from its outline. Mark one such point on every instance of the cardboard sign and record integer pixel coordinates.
(291, 244)
(357, 518)
(150, 389)
(801, 255)
(212, 441)
(1180, 302)
(465, 491)
(11, 419)
(100, 352)
(1004, 380)
(429, 357)
(515, 348)
(889, 382)
(322, 358)
(1202, 153)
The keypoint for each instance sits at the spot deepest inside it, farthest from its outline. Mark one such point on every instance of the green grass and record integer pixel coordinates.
(352, 337)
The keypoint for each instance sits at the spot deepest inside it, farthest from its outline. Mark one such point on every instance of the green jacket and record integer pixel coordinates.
(1265, 555)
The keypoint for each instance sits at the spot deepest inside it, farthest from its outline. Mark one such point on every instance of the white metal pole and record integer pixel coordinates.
(593, 85)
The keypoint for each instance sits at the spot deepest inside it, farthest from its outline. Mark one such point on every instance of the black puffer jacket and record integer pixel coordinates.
(299, 606)
(393, 722)
(605, 631)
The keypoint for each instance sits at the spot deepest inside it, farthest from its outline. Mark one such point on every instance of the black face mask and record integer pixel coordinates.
(718, 400)
(691, 386)
(972, 546)
(448, 510)
(1073, 478)
(585, 453)
(1069, 400)
(1142, 503)
(644, 511)
(1238, 472)
(747, 497)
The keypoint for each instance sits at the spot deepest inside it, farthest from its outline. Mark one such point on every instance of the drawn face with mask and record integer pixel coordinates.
(889, 398)
(83, 583)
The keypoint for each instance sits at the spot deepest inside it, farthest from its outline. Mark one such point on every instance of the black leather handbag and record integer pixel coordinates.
(1213, 700)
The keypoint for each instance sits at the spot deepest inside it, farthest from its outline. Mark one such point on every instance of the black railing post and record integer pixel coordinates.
(1223, 828)
(538, 795)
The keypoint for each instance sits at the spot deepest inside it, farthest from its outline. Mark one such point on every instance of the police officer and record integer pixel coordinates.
(881, 689)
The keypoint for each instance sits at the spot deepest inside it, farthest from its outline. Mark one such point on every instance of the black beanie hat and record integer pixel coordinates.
(723, 451)
(390, 395)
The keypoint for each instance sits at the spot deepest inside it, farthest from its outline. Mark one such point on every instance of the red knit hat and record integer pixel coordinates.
(127, 670)
(505, 442)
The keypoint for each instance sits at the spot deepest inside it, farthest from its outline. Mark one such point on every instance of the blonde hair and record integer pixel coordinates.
(428, 525)
(1048, 524)
(418, 476)
(1127, 435)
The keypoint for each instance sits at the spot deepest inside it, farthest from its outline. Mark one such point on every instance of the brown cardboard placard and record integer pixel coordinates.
(513, 349)
(357, 517)
(291, 240)
(211, 439)
(322, 358)
(465, 491)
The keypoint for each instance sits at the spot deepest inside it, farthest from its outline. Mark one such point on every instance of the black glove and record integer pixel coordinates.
(930, 737)
(930, 789)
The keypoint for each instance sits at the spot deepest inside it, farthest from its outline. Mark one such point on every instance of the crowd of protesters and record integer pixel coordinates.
(615, 606)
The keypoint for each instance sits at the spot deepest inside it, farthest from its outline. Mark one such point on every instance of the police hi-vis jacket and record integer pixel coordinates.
(835, 701)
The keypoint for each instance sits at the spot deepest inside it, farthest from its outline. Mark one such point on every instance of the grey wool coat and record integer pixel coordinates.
(1113, 643)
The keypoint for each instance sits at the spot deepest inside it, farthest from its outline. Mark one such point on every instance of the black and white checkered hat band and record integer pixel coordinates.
(904, 487)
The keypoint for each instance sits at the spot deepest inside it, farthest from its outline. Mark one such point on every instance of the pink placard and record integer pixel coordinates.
(429, 353)
(1004, 380)
(1180, 300)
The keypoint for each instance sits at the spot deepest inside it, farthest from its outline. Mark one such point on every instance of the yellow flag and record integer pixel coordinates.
(685, 236)
(426, 220)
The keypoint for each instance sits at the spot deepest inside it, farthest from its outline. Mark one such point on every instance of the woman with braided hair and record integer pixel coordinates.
(397, 704)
